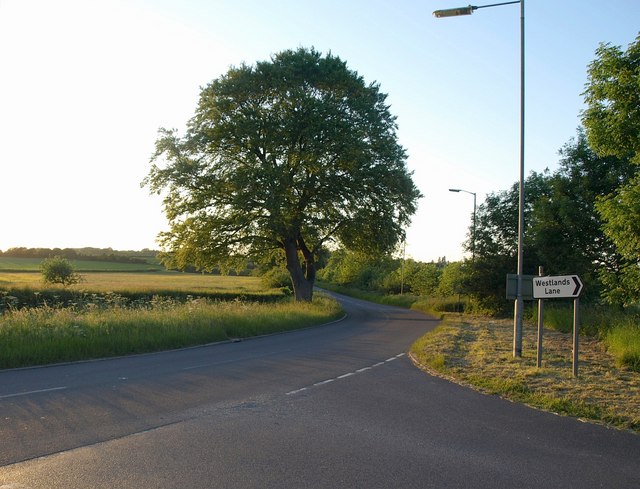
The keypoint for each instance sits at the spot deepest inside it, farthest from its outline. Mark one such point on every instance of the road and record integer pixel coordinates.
(337, 406)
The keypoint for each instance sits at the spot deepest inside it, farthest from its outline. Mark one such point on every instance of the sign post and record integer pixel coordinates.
(540, 324)
(576, 330)
(559, 287)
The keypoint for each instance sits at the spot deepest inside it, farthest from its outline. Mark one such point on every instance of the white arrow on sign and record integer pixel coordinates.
(559, 287)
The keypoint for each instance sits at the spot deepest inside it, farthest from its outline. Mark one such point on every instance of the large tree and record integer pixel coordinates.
(612, 121)
(293, 153)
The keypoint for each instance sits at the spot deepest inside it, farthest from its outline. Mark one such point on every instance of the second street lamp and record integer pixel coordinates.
(473, 236)
(519, 302)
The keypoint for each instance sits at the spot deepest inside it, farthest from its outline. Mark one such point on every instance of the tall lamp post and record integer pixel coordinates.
(519, 303)
(473, 236)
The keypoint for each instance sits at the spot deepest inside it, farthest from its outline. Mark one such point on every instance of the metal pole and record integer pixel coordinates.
(494, 5)
(404, 248)
(540, 324)
(576, 334)
(517, 326)
(473, 249)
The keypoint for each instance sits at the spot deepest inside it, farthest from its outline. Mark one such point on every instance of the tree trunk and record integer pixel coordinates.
(302, 280)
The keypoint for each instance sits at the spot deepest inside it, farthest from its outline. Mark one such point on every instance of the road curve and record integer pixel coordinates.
(333, 406)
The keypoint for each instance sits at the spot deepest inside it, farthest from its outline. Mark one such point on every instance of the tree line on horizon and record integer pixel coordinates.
(87, 253)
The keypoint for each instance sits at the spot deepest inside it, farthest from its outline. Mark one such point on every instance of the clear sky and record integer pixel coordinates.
(85, 85)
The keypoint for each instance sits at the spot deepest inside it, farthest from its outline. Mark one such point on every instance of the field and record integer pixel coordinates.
(10, 264)
(112, 314)
(155, 282)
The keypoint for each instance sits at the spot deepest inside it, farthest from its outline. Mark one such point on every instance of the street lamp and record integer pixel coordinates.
(473, 236)
(518, 306)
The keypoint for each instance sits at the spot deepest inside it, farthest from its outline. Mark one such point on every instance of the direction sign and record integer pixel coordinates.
(557, 287)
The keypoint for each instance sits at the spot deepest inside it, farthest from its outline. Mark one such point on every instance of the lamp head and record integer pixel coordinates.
(454, 12)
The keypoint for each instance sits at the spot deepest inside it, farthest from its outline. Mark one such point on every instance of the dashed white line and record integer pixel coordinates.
(348, 374)
(26, 393)
(296, 391)
(323, 382)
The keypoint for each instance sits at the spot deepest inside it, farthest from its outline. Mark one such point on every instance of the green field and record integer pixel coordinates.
(122, 313)
(140, 282)
(27, 289)
(10, 264)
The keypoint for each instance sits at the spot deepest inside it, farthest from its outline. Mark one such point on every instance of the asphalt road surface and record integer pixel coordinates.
(337, 406)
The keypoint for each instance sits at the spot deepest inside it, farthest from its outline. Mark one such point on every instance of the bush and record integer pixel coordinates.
(277, 278)
(58, 270)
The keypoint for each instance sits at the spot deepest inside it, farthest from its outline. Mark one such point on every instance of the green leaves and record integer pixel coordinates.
(295, 149)
(612, 95)
(58, 270)
(612, 120)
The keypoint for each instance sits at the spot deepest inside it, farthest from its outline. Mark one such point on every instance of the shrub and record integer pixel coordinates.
(58, 270)
(277, 277)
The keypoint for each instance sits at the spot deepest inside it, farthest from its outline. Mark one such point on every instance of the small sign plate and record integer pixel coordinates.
(558, 287)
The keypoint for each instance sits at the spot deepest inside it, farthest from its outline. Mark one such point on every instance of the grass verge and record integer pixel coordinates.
(476, 351)
(45, 335)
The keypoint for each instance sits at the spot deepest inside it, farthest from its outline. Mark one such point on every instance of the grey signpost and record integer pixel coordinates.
(540, 324)
(560, 287)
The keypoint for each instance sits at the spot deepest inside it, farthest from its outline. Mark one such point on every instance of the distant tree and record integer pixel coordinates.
(58, 270)
(292, 153)
(423, 278)
(497, 223)
(454, 279)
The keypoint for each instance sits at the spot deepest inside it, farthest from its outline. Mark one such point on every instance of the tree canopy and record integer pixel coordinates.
(292, 153)
(612, 96)
(612, 121)
(564, 231)
(58, 270)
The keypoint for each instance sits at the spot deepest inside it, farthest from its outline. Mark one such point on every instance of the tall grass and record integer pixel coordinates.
(623, 341)
(20, 290)
(618, 329)
(43, 335)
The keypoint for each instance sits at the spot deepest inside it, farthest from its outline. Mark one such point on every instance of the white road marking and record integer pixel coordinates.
(26, 393)
(323, 382)
(348, 374)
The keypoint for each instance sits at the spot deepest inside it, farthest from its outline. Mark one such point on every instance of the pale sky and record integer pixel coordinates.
(85, 85)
